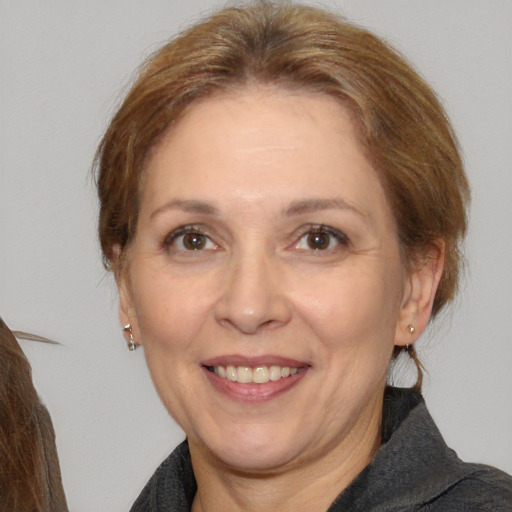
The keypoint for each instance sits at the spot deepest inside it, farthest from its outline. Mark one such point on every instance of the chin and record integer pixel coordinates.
(253, 450)
(252, 461)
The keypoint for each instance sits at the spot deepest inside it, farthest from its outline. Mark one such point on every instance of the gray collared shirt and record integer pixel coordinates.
(414, 470)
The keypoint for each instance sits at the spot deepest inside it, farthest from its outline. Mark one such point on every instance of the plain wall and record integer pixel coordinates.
(63, 66)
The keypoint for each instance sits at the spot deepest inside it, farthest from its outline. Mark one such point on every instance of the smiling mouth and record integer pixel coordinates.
(256, 375)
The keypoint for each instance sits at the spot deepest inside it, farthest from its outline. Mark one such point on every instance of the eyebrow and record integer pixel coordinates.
(312, 205)
(299, 207)
(188, 206)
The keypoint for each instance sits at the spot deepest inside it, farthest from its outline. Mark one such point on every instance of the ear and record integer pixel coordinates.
(127, 315)
(419, 293)
(127, 311)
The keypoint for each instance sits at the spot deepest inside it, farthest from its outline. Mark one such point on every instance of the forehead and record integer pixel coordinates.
(263, 143)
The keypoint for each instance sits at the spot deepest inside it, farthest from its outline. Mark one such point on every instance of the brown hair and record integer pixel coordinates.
(401, 123)
(30, 477)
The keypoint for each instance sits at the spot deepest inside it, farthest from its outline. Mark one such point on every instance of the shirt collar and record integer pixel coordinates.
(413, 465)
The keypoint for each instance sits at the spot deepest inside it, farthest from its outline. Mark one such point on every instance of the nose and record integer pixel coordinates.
(253, 297)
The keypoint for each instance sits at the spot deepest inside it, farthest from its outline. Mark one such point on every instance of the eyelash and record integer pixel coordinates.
(342, 239)
(339, 236)
(172, 237)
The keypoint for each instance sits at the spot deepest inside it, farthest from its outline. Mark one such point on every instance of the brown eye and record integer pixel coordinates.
(318, 240)
(322, 238)
(194, 241)
(188, 239)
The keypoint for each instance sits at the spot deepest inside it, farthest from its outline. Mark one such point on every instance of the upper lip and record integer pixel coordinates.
(254, 361)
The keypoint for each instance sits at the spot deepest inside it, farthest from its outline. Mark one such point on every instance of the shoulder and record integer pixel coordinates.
(415, 470)
(482, 488)
(172, 486)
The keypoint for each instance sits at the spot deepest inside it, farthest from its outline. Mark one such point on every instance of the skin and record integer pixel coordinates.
(253, 174)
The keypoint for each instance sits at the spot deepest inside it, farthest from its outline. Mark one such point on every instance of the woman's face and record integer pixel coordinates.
(265, 280)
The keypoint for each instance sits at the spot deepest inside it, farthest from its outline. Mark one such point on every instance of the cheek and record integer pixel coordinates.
(353, 307)
(170, 310)
(171, 313)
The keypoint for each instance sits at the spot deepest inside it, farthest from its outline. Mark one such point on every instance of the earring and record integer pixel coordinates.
(131, 342)
(411, 328)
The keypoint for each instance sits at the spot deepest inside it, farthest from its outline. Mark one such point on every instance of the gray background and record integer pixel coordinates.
(63, 67)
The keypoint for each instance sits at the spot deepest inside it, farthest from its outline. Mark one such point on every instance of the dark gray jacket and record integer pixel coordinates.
(413, 470)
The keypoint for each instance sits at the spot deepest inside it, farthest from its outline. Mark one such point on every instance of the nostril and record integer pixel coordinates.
(270, 324)
(249, 325)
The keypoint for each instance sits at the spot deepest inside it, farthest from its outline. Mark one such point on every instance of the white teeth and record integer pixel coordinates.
(257, 375)
(231, 373)
(260, 375)
(244, 374)
(275, 372)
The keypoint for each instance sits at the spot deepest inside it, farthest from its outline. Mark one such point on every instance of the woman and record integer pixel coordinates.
(282, 204)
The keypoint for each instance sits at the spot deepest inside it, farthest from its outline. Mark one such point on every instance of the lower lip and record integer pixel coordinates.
(254, 393)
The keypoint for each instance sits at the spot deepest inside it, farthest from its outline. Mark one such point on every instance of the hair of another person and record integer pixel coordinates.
(400, 122)
(30, 478)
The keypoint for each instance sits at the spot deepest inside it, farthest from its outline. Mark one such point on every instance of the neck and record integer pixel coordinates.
(306, 485)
